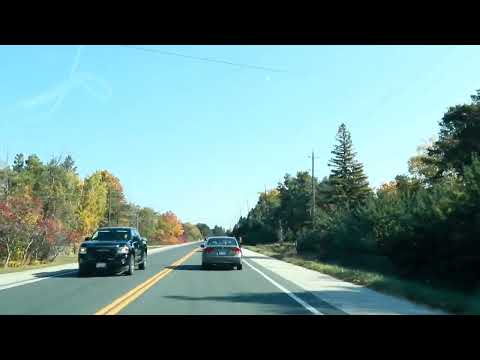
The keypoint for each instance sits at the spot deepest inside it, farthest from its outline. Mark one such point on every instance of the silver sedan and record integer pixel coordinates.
(221, 250)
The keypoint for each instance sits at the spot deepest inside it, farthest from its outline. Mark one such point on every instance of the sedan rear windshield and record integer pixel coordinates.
(222, 242)
(111, 235)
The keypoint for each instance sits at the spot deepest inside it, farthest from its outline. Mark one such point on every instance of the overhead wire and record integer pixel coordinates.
(207, 59)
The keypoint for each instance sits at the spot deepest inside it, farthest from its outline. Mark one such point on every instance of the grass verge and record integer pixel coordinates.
(451, 301)
(59, 260)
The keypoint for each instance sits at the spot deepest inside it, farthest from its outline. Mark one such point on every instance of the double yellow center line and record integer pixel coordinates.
(119, 304)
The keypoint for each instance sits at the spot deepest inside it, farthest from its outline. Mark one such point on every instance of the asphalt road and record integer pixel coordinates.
(182, 289)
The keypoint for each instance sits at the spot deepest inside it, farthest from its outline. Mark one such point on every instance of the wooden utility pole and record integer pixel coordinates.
(7, 171)
(280, 231)
(313, 189)
(109, 205)
(313, 186)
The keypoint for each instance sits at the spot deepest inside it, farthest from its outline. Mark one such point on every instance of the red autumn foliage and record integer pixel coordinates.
(74, 236)
(24, 232)
(52, 228)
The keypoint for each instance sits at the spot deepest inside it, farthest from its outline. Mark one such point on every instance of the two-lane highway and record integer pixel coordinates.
(173, 283)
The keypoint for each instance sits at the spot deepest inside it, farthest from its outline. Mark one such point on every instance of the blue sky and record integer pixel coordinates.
(202, 139)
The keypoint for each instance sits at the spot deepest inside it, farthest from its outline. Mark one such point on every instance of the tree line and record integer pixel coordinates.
(47, 209)
(425, 223)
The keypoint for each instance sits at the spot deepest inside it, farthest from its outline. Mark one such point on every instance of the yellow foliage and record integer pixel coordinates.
(93, 203)
(169, 228)
(388, 187)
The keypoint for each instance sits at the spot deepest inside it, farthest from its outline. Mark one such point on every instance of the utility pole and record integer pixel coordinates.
(109, 205)
(7, 171)
(280, 231)
(265, 200)
(51, 195)
(313, 188)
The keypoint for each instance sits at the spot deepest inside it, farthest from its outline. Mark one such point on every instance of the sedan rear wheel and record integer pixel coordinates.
(239, 267)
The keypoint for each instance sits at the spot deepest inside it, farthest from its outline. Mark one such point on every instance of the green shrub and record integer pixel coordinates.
(311, 241)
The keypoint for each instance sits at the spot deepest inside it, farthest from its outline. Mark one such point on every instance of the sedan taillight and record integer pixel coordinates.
(237, 250)
(209, 250)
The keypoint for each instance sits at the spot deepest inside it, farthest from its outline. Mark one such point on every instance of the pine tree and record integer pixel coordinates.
(68, 164)
(349, 184)
(18, 163)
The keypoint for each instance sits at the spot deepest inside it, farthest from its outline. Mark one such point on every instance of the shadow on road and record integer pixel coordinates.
(281, 302)
(277, 302)
(186, 267)
(360, 303)
(73, 274)
(199, 268)
(59, 273)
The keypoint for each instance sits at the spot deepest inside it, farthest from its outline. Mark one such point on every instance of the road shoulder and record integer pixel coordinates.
(349, 298)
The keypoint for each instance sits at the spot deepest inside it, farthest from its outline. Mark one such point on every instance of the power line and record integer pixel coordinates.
(171, 53)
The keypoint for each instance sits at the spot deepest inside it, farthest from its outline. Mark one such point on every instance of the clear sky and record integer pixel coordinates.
(202, 138)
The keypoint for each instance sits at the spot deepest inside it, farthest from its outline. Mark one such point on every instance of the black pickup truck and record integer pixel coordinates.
(113, 249)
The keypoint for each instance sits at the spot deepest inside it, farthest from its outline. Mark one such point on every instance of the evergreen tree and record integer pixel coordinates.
(218, 231)
(295, 200)
(459, 139)
(204, 229)
(349, 182)
(18, 163)
(68, 164)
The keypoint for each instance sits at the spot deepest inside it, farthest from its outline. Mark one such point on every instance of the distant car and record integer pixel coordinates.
(221, 250)
(113, 249)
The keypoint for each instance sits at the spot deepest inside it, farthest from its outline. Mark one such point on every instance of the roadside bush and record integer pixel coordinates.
(255, 232)
(312, 241)
(349, 231)
(428, 234)
(259, 234)
(25, 235)
(431, 234)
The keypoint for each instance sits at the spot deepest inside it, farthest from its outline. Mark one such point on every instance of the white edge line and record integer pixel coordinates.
(25, 282)
(286, 291)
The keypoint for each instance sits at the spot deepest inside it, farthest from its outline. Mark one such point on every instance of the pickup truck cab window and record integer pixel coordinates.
(112, 235)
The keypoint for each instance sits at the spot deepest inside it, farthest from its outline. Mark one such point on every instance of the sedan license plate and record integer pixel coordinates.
(222, 253)
(101, 265)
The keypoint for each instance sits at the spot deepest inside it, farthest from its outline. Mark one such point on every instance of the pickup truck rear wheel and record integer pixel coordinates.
(143, 264)
(131, 265)
(82, 272)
